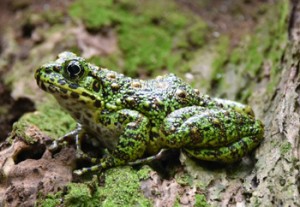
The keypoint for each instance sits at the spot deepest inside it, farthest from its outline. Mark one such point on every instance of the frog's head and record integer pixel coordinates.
(71, 80)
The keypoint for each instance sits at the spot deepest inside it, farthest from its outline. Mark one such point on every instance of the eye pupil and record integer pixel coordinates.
(74, 69)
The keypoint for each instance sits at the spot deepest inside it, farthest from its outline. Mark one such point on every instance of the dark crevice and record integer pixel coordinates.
(27, 30)
(167, 165)
(255, 182)
(293, 19)
(33, 152)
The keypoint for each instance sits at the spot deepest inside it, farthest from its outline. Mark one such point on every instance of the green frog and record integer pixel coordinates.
(136, 120)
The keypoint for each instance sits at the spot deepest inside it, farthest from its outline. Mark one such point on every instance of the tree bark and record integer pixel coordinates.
(277, 172)
(274, 180)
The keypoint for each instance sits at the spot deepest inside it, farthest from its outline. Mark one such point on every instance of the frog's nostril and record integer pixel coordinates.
(48, 70)
(56, 68)
(249, 111)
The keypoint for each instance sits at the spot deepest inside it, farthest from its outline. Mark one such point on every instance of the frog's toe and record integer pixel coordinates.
(88, 169)
(78, 172)
(84, 156)
(80, 155)
(54, 146)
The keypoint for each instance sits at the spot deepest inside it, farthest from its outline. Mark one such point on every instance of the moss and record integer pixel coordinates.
(141, 50)
(200, 201)
(51, 120)
(279, 41)
(164, 40)
(20, 129)
(122, 188)
(285, 148)
(144, 172)
(184, 179)
(100, 13)
(172, 21)
(52, 200)
(222, 48)
(177, 202)
(195, 35)
(81, 195)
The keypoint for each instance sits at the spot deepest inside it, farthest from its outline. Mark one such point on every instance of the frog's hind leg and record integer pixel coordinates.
(212, 134)
(100, 166)
(228, 154)
(148, 159)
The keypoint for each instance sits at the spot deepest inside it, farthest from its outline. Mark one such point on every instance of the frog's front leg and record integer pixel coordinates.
(77, 134)
(131, 143)
(212, 134)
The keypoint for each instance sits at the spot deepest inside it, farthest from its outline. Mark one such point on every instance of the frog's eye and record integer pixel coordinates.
(74, 70)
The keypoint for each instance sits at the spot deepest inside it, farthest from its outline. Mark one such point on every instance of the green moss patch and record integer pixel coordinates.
(149, 38)
(50, 119)
(201, 201)
(121, 188)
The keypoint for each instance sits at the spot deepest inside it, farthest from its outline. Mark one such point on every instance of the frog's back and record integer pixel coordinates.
(155, 98)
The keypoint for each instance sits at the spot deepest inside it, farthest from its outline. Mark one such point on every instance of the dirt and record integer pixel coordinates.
(166, 192)
(31, 170)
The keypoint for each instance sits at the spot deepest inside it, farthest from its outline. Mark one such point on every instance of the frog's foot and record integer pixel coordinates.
(148, 159)
(110, 161)
(77, 133)
(85, 170)
(85, 156)
(104, 163)
(228, 154)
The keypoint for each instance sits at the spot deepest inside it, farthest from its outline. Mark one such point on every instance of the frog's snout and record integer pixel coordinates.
(37, 75)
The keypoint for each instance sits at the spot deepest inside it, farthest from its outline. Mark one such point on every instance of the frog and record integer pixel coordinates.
(136, 120)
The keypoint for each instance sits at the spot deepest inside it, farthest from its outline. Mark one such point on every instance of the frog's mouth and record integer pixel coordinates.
(63, 90)
(48, 83)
